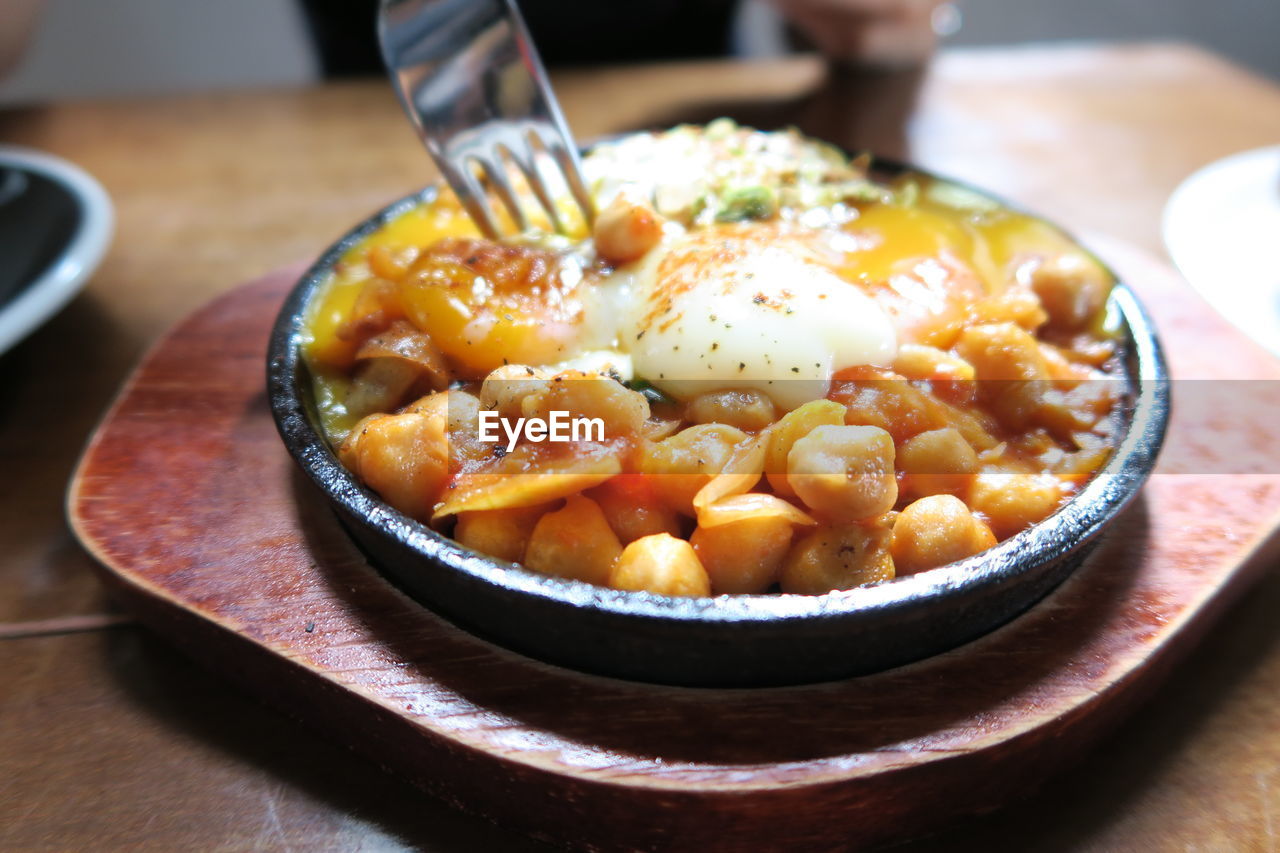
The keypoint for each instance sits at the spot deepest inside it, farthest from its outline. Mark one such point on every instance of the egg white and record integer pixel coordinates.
(709, 311)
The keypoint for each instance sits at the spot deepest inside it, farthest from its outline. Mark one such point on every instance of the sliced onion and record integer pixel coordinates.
(379, 385)
(511, 486)
(390, 364)
(751, 505)
(741, 472)
(405, 342)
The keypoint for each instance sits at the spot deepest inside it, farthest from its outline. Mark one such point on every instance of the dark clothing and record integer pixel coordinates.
(567, 32)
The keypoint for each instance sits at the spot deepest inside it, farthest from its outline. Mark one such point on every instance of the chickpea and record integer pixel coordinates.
(574, 542)
(745, 409)
(1018, 405)
(950, 376)
(1012, 371)
(402, 457)
(462, 412)
(1023, 306)
(626, 230)
(685, 462)
(1073, 288)
(1014, 305)
(935, 531)
(893, 405)
(1013, 502)
(844, 473)
(794, 426)
(590, 395)
(1002, 351)
(505, 389)
(743, 556)
(841, 557)
(917, 361)
(936, 462)
(660, 564)
(634, 509)
(501, 533)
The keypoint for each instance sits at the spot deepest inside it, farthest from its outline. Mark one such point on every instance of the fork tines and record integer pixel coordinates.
(481, 158)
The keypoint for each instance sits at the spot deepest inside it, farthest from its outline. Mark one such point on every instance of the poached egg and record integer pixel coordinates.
(739, 307)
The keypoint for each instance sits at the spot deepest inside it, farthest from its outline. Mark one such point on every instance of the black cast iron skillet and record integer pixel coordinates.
(742, 640)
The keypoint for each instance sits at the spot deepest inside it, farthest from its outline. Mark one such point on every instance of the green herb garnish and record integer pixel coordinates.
(739, 205)
(650, 392)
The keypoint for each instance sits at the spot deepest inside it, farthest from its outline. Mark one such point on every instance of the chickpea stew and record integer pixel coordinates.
(760, 369)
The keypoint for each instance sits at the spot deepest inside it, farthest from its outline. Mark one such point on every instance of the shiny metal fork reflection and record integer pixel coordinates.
(471, 82)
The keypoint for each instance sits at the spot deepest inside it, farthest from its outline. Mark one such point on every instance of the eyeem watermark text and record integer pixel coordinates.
(560, 426)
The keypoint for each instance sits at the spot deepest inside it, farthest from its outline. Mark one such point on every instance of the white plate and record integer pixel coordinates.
(1222, 229)
(41, 299)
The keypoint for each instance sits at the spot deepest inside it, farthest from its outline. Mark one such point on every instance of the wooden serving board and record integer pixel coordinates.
(205, 528)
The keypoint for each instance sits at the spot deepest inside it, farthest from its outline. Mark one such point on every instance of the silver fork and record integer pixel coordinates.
(470, 79)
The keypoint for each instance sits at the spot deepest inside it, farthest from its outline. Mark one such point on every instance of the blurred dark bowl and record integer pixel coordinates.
(744, 640)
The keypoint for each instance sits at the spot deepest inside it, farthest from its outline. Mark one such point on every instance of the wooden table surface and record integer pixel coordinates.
(108, 739)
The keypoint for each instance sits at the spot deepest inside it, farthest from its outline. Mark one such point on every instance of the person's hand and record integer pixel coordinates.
(882, 33)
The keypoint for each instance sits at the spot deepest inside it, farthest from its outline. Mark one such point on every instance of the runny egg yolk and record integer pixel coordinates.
(737, 308)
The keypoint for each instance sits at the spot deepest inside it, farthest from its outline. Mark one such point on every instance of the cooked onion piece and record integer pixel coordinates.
(390, 364)
(752, 505)
(531, 476)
